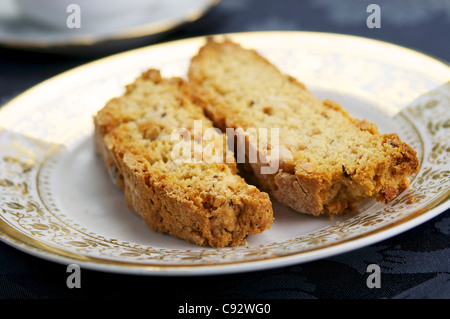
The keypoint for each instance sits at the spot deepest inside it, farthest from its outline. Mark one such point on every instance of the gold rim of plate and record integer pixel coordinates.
(25, 195)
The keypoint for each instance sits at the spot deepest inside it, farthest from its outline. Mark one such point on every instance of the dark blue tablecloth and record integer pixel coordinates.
(413, 265)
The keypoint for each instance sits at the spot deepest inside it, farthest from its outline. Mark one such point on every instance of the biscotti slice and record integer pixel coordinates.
(328, 161)
(201, 200)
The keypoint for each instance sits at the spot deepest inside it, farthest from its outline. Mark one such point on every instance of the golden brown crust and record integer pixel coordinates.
(207, 204)
(334, 160)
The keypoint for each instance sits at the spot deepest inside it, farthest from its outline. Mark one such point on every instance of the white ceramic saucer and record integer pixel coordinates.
(145, 26)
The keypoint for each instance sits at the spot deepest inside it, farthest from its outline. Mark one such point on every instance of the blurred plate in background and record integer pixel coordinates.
(144, 26)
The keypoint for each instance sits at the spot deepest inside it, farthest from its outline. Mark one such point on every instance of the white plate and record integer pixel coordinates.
(57, 202)
(148, 24)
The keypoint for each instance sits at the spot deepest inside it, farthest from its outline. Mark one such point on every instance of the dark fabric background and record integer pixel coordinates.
(414, 265)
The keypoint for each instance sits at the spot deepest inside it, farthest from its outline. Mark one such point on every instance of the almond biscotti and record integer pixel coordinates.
(202, 201)
(328, 161)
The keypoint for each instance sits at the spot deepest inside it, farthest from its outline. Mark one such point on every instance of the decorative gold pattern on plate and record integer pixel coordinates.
(36, 149)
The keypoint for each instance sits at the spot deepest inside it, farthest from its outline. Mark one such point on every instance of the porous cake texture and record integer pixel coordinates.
(329, 161)
(202, 201)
